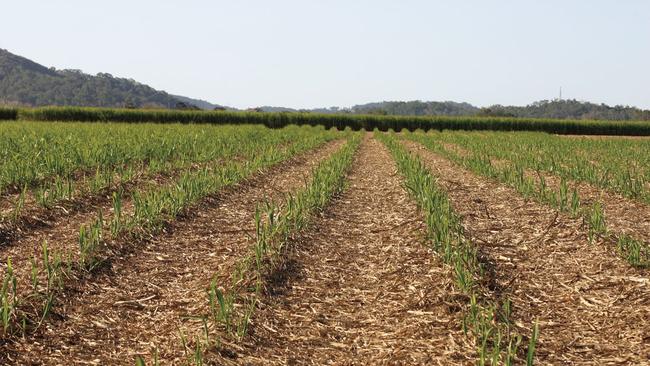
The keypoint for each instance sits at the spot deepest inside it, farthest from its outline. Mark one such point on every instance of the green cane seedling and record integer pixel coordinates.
(221, 306)
(20, 204)
(47, 265)
(511, 351)
(496, 348)
(206, 331)
(596, 222)
(506, 311)
(634, 251)
(89, 241)
(183, 339)
(242, 327)
(8, 297)
(198, 354)
(542, 183)
(575, 204)
(564, 195)
(260, 236)
(532, 344)
(34, 273)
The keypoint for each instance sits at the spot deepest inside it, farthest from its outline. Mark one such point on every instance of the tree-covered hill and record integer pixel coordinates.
(24, 82)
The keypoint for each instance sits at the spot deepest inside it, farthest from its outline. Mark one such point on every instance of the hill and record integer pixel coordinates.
(25, 82)
(200, 103)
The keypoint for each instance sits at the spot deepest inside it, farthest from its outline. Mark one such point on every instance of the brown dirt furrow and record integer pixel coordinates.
(622, 215)
(60, 229)
(360, 287)
(592, 307)
(145, 296)
(7, 203)
(60, 225)
(457, 149)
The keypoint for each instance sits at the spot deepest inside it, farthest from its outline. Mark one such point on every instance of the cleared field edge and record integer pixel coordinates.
(63, 255)
(130, 263)
(620, 222)
(486, 310)
(552, 273)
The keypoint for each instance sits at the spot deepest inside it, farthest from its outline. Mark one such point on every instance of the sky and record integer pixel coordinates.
(309, 53)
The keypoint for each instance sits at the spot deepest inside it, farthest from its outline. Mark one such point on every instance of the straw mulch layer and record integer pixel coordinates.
(360, 288)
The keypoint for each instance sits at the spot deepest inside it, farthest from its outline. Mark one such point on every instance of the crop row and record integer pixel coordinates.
(62, 174)
(619, 165)
(482, 157)
(340, 121)
(486, 318)
(152, 208)
(231, 307)
(33, 153)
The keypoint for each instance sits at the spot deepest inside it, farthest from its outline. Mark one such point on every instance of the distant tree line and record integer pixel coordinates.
(562, 109)
(568, 109)
(416, 108)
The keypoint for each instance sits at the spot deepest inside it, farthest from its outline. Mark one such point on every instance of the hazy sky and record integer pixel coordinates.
(324, 53)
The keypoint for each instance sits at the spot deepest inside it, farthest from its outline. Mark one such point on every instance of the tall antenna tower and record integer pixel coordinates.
(560, 93)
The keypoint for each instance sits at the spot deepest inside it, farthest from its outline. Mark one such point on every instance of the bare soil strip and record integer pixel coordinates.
(592, 307)
(359, 286)
(142, 300)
